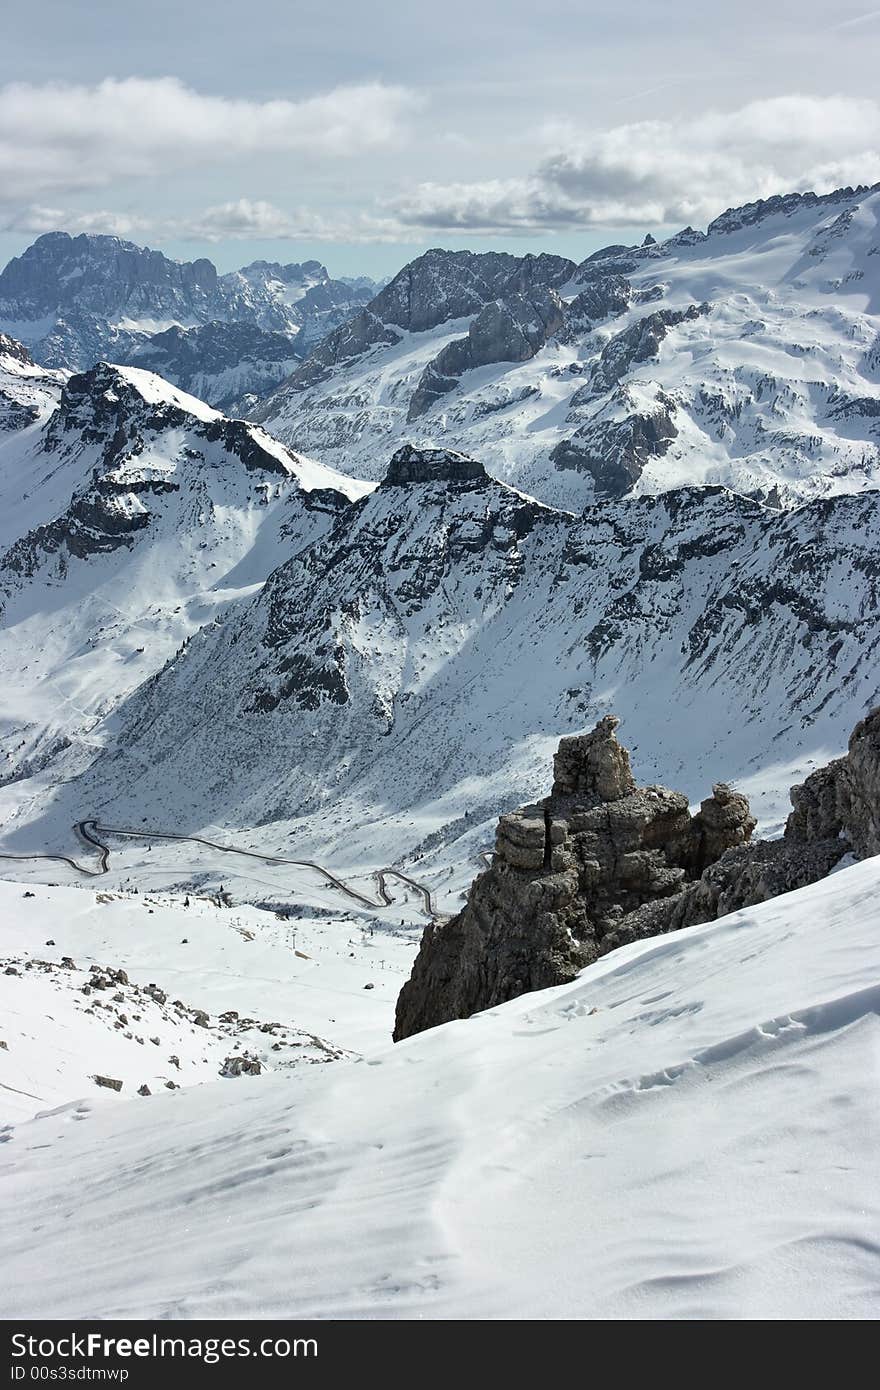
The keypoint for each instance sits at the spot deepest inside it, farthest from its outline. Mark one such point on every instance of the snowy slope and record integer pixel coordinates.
(689, 1130)
(147, 991)
(28, 393)
(131, 517)
(765, 377)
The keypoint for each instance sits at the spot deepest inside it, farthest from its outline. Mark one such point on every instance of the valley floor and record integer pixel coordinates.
(689, 1130)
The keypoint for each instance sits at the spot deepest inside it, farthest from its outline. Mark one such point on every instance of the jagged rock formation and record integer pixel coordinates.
(842, 800)
(443, 285)
(564, 873)
(567, 874)
(836, 812)
(638, 343)
(616, 445)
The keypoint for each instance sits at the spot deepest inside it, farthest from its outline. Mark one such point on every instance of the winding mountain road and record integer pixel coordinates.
(89, 830)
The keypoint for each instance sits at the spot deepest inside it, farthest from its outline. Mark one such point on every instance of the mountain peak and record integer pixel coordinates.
(413, 465)
(134, 382)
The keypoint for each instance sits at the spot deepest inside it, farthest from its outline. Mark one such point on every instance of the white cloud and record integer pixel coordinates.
(65, 138)
(665, 172)
(239, 220)
(639, 175)
(37, 218)
(246, 220)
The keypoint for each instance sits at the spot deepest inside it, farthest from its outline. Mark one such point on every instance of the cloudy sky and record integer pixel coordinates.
(362, 131)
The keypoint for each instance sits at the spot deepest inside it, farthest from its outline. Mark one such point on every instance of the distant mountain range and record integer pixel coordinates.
(74, 301)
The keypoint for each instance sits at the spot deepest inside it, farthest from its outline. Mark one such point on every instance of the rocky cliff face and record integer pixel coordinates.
(506, 330)
(564, 872)
(601, 863)
(445, 285)
(411, 465)
(836, 812)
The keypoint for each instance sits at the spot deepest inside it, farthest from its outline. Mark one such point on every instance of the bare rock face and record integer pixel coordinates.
(566, 871)
(593, 765)
(505, 330)
(412, 465)
(602, 862)
(842, 800)
(835, 812)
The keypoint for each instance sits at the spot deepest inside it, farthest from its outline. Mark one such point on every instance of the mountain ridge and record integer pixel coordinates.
(76, 299)
(746, 355)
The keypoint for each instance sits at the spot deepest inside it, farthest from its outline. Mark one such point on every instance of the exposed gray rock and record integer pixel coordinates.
(593, 765)
(785, 203)
(433, 289)
(506, 330)
(842, 800)
(742, 877)
(564, 873)
(70, 297)
(638, 343)
(10, 347)
(241, 1065)
(488, 951)
(109, 1082)
(603, 298)
(412, 465)
(350, 341)
(836, 812)
(443, 285)
(614, 452)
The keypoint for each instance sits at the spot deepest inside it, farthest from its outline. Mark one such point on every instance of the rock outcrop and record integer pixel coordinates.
(412, 465)
(565, 872)
(836, 812)
(602, 862)
(505, 330)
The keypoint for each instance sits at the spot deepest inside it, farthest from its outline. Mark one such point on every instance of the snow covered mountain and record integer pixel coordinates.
(374, 672)
(688, 1130)
(746, 356)
(28, 393)
(229, 364)
(76, 300)
(405, 674)
(130, 517)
